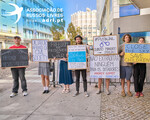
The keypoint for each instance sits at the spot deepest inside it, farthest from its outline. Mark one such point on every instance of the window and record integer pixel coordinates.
(3, 12)
(4, 28)
(110, 6)
(129, 10)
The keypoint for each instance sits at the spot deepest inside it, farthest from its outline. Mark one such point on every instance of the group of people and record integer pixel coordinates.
(65, 76)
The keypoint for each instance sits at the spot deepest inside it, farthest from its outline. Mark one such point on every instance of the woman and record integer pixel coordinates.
(44, 71)
(125, 68)
(107, 86)
(65, 75)
(139, 73)
(78, 40)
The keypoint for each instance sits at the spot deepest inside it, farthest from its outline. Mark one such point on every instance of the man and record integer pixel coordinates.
(18, 72)
(78, 40)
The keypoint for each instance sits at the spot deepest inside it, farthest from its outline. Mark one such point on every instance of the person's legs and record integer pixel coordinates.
(15, 76)
(22, 78)
(84, 80)
(136, 77)
(107, 84)
(142, 78)
(77, 73)
(128, 77)
(99, 85)
(67, 89)
(47, 83)
(43, 80)
(122, 76)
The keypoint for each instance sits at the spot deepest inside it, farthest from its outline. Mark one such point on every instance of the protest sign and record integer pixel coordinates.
(105, 45)
(137, 53)
(57, 49)
(105, 66)
(14, 58)
(77, 57)
(39, 50)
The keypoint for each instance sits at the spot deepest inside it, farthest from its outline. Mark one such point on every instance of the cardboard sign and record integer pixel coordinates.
(14, 58)
(105, 45)
(77, 57)
(57, 49)
(137, 53)
(39, 50)
(105, 66)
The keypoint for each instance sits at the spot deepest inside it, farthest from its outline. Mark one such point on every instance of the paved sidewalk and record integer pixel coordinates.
(116, 107)
(52, 106)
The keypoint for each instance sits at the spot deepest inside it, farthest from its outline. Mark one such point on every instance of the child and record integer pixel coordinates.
(139, 73)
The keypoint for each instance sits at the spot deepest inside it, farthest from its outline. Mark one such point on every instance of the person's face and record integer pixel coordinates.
(78, 40)
(127, 39)
(141, 40)
(17, 41)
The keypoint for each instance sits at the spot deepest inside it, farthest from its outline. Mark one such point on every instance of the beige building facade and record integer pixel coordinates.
(87, 22)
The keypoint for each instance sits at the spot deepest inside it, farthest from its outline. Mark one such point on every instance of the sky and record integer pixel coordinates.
(72, 6)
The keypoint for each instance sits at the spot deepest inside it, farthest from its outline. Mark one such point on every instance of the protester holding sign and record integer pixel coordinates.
(44, 71)
(125, 68)
(107, 86)
(65, 75)
(78, 40)
(139, 73)
(18, 72)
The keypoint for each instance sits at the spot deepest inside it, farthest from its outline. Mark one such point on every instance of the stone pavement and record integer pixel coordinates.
(58, 106)
(52, 106)
(115, 107)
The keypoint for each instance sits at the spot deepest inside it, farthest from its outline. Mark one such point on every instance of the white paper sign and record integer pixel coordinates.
(40, 50)
(77, 57)
(105, 45)
(105, 66)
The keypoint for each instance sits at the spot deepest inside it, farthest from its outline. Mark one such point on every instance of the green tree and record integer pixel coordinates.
(72, 32)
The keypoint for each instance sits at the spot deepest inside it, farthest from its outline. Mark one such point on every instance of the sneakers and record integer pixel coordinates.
(141, 94)
(13, 94)
(129, 94)
(137, 94)
(107, 92)
(86, 94)
(98, 92)
(77, 93)
(123, 94)
(25, 93)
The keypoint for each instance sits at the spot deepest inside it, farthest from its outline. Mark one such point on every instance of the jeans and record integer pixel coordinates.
(18, 73)
(77, 73)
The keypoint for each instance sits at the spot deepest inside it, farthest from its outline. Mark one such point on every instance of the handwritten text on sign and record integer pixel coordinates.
(137, 53)
(57, 49)
(40, 50)
(14, 57)
(77, 57)
(105, 45)
(105, 66)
